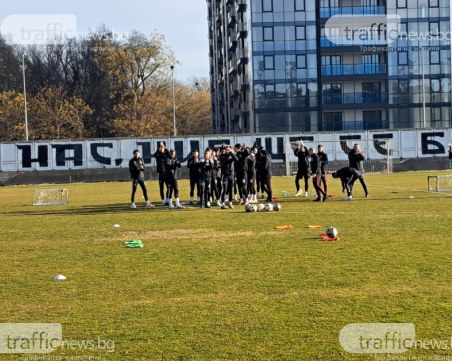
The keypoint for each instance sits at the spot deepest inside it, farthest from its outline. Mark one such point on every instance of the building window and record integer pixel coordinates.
(268, 33)
(332, 93)
(301, 61)
(300, 32)
(436, 116)
(434, 28)
(435, 85)
(434, 57)
(433, 3)
(403, 58)
(332, 121)
(267, 6)
(269, 62)
(299, 5)
(401, 4)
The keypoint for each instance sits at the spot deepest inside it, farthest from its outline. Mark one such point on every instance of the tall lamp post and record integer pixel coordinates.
(25, 96)
(174, 101)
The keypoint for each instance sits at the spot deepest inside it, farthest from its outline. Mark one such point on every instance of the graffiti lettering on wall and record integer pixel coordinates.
(115, 153)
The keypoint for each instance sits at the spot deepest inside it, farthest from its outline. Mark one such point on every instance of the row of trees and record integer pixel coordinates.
(98, 87)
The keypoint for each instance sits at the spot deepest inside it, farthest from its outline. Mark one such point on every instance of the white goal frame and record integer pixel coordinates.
(50, 197)
(378, 154)
(440, 183)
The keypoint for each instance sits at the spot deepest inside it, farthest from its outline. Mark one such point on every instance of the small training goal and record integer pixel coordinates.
(440, 183)
(50, 197)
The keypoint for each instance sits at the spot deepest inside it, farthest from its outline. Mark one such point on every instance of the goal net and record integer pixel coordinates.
(440, 183)
(50, 197)
(378, 154)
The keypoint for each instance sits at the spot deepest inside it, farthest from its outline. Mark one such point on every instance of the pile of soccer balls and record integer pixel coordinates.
(262, 207)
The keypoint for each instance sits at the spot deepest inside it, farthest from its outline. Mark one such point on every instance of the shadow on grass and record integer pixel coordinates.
(88, 210)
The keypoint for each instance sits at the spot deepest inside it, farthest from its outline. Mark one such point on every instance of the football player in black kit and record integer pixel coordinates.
(323, 158)
(356, 160)
(241, 172)
(251, 159)
(194, 165)
(227, 161)
(136, 168)
(316, 176)
(302, 153)
(171, 165)
(207, 166)
(160, 156)
(264, 172)
(348, 176)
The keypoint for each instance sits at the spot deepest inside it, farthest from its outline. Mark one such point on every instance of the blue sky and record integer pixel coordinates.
(182, 22)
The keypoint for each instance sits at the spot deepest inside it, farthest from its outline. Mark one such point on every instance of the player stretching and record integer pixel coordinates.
(356, 160)
(348, 176)
(303, 156)
(136, 168)
(317, 175)
(161, 156)
(171, 165)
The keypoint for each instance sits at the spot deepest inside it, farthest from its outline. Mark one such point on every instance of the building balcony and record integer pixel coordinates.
(343, 44)
(354, 69)
(241, 6)
(244, 107)
(233, 67)
(326, 13)
(354, 98)
(244, 83)
(232, 43)
(232, 20)
(243, 59)
(242, 30)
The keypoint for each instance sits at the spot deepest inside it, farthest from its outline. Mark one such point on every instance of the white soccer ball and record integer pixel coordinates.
(59, 277)
(277, 207)
(250, 208)
(331, 232)
(268, 207)
(260, 207)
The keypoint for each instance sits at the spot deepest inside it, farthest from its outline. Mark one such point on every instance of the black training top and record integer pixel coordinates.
(161, 157)
(323, 157)
(356, 160)
(303, 158)
(136, 168)
(227, 164)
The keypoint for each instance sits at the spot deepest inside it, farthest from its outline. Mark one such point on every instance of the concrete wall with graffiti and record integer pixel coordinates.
(115, 153)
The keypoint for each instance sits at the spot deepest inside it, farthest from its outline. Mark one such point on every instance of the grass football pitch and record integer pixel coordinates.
(214, 284)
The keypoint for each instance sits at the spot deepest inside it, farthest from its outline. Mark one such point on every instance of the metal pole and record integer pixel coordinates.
(174, 101)
(423, 88)
(25, 96)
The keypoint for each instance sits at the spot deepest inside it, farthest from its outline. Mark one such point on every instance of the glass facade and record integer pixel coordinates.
(291, 74)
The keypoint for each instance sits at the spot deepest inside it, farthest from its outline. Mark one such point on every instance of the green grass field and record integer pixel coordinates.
(224, 284)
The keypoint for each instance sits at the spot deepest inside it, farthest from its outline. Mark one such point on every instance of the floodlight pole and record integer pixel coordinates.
(25, 96)
(174, 101)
